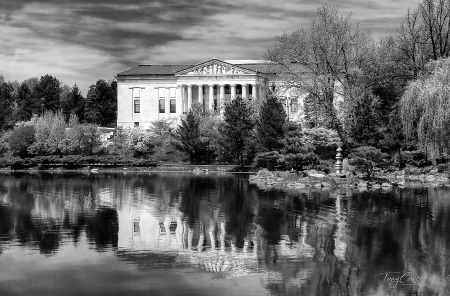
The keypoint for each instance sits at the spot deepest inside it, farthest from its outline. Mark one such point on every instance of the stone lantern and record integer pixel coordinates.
(338, 165)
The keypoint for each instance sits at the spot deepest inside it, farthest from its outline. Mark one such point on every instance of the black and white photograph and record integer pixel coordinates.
(216, 148)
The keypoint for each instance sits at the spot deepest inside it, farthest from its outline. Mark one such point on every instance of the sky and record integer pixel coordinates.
(81, 41)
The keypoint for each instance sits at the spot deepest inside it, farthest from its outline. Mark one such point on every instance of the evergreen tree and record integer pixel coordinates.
(237, 129)
(92, 109)
(101, 103)
(314, 117)
(48, 92)
(27, 105)
(6, 103)
(271, 125)
(188, 136)
(297, 153)
(364, 121)
(73, 102)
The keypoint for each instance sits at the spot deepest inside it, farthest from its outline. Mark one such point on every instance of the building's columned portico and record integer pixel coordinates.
(153, 92)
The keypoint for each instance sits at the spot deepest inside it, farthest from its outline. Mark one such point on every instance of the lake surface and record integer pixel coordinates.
(216, 234)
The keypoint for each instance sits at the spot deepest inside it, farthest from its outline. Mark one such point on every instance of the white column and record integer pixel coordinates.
(179, 100)
(211, 97)
(221, 97)
(244, 91)
(233, 91)
(263, 92)
(200, 93)
(167, 100)
(189, 98)
(254, 97)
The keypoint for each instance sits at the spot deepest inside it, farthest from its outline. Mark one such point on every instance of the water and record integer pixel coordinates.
(211, 234)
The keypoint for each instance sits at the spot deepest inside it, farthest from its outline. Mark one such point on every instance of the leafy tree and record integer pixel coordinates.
(425, 109)
(20, 139)
(90, 138)
(4, 147)
(73, 102)
(237, 129)
(101, 103)
(188, 136)
(314, 115)
(321, 61)
(161, 132)
(367, 158)
(71, 144)
(324, 142)
(50, 133)
(6, 103)
(48, 93)
(270, 128)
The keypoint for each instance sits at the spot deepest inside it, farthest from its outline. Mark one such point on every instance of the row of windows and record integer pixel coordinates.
(162, 106)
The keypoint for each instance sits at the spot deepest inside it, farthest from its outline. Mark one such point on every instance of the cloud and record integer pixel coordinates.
(85, 40)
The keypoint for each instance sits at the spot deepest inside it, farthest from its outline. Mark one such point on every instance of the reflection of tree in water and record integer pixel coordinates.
(312, 243)
(44, 212)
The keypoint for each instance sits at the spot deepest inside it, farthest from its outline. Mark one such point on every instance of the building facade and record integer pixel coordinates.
(148, 93)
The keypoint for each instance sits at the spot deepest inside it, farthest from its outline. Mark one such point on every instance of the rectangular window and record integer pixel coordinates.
(162, 92)
(136, 92)
(294, 105)
(136, 124)
(283, 102)
(227, 89)
(137, 106)
(162, 106)
(173, 106)
(173, 92)
(250, 89)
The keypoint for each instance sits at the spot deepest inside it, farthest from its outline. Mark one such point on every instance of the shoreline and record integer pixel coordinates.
(287, 180)
(181, 168)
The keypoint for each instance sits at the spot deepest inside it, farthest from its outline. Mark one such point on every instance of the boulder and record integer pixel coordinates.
(316, 174)
(362, 184)
(430, 178)
(325, 184)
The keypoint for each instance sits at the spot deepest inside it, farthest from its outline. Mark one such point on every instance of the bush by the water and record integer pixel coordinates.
(367, 159)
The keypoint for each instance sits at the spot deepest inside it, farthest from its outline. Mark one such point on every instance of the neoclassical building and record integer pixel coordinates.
(151, 92)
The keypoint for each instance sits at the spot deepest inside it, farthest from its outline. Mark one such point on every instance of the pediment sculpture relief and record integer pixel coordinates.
(217, 69)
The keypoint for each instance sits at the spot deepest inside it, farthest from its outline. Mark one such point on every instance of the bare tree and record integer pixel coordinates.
(321, 61)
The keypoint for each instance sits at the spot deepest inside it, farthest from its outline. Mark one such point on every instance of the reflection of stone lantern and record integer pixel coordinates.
(338, 164)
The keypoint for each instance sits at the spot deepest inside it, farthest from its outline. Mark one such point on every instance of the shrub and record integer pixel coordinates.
(367, 158)
(270, 160)
(442, 168)
(47, 159)
(412, 158)
(144, 163)
(20, 163)
(72, 160)
(324, 141)
(20, 139)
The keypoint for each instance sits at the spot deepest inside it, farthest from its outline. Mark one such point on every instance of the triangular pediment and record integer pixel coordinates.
(215, 67)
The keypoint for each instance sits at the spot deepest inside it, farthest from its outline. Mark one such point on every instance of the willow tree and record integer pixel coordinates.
(321, 60)
(425, 109)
